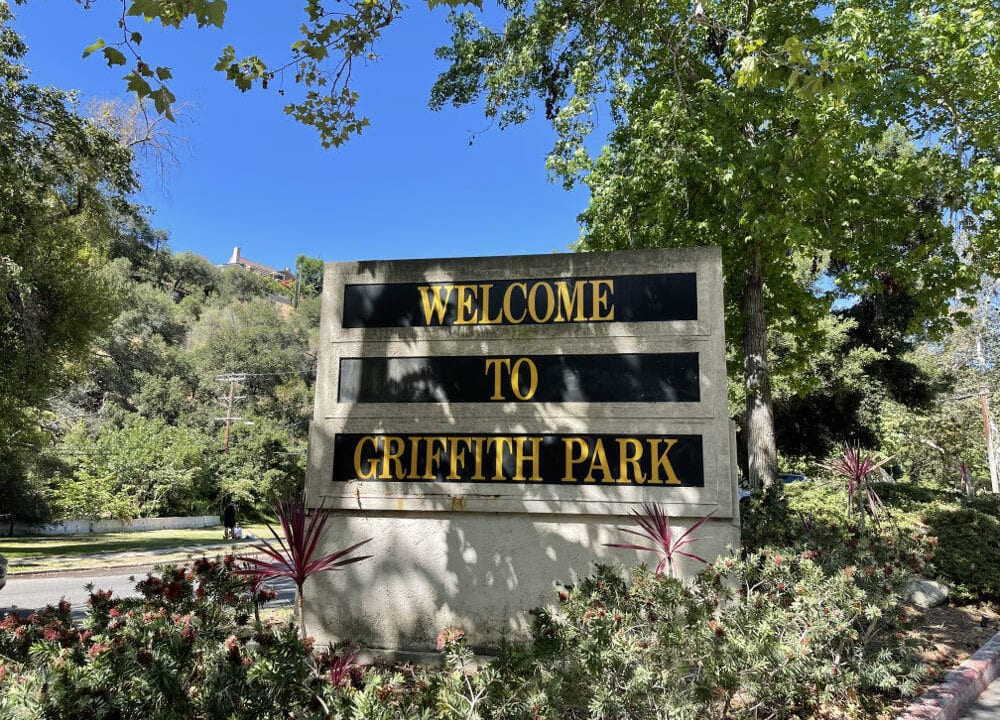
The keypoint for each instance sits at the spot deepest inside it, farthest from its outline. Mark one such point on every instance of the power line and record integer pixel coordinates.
(239, 377)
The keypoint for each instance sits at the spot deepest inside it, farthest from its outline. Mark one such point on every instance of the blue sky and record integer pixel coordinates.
(411, 186)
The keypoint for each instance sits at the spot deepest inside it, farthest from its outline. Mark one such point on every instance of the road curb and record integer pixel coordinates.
(960, 688)
(127, 560)
(138, 565)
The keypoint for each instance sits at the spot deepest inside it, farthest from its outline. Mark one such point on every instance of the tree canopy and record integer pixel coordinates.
(829, 148)
(64, 201)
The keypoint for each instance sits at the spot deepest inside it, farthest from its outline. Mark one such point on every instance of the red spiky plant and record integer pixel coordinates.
(857, 467)
(655, 526)
(295, 555)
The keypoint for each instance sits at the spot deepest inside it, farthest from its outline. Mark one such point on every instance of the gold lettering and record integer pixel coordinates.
(456, 457)
(662, 462)
(486, 319)
(603, 299)
(515, 380)
(414, 457)
(507, 312)
(433, 459)
(371, 470)
(394, 456)
(498, 444)
(535, 457)
(561, 301)
(477, 454)
(466, 295)
(571, 303)
(550, 302)
(495, 364)
(599, 461)
(628, 460)
(568, 445)
(434, 303)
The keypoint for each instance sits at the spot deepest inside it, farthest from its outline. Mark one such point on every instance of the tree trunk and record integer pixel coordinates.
(300, 613)
(762, 455)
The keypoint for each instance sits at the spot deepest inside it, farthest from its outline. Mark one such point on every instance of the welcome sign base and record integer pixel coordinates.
(480, 572)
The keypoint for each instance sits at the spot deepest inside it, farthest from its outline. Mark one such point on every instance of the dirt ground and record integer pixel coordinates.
(956, 632)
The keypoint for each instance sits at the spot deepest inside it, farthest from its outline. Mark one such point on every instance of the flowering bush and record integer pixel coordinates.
(185, 649)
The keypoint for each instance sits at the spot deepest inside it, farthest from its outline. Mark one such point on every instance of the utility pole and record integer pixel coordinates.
(984, 406)
(232, 379)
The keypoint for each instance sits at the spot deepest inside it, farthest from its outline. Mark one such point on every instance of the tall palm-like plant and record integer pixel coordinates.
(655, 526)
(857, 467)
(295, 555)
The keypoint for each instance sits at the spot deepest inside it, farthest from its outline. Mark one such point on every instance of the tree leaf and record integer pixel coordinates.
(137, 84)
(114, 56)
(94, 48)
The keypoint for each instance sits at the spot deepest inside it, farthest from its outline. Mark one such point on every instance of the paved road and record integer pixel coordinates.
(37, 591)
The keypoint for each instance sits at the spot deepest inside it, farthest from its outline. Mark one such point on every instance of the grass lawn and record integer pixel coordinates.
(21, 548)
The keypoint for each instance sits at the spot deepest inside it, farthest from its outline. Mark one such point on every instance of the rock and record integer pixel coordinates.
(926, 593)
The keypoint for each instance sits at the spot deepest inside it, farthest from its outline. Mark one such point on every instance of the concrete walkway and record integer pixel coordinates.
(962, 690)
(987, 707)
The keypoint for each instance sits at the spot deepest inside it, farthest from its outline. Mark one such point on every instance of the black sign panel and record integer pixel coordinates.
(648, 460)
(627, 298)
(645, 377)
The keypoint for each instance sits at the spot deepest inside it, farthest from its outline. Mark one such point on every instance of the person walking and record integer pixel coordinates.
(229, 521)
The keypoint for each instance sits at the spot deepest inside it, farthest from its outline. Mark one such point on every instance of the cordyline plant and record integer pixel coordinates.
(295, 556)
(856, 467)
(655, 525)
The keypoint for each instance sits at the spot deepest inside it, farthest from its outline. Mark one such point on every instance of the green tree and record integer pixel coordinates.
(190, 274)
(161, 469)
(309, 272)
(934, 443)
(238, 284)
(64, 204)
(805, 138)
(865, 374)
(252, 339)
(263, 465)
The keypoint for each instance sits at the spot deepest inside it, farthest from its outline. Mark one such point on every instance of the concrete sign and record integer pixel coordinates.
(490, 421)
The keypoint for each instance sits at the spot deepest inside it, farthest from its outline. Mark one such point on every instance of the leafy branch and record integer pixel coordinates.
(322, 59)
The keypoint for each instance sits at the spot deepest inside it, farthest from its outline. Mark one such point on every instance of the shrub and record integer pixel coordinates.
(766, 519)
(654, 527)
(968, 555)
(967, 529)
(813, 631)
(770, 634)
(183, 650)
(857, 467)
(296, 555)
